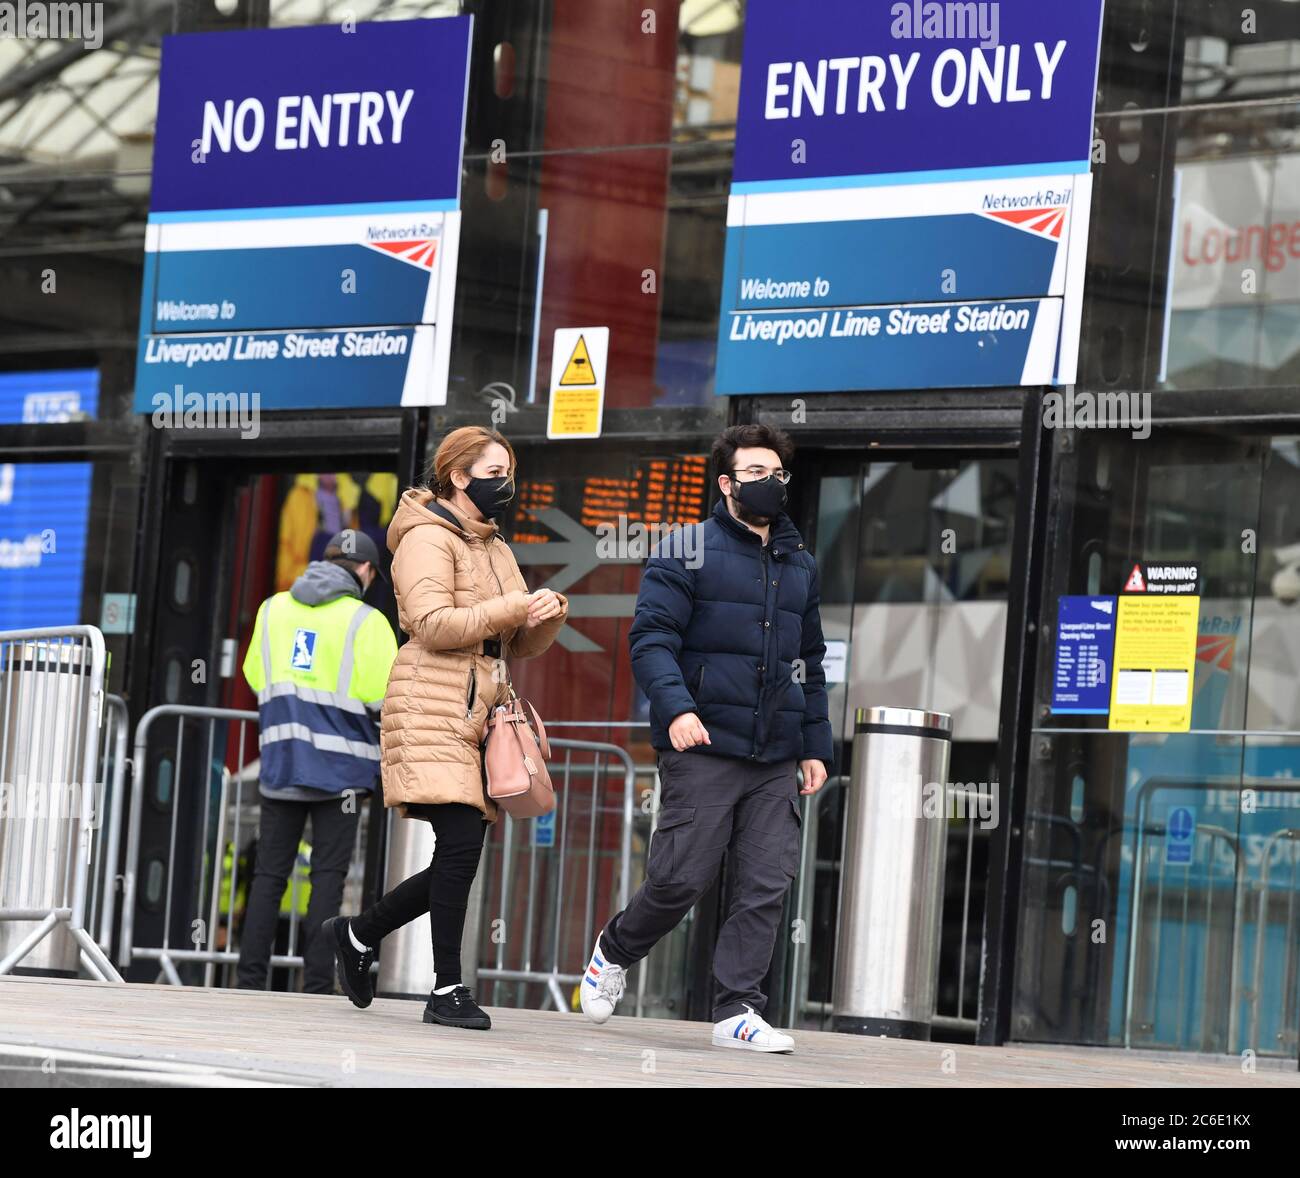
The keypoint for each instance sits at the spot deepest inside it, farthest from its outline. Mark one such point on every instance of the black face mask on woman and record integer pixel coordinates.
(490, 496)
(761, 499)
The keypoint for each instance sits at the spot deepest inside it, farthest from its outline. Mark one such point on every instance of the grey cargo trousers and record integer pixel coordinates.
(708, 806)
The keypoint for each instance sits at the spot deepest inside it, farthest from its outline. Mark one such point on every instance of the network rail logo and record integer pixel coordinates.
(419, 251)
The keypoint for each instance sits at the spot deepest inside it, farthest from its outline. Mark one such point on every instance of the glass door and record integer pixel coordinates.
(914, 553)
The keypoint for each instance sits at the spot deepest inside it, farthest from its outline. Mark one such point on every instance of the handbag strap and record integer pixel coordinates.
(515, 714)
(542, 742)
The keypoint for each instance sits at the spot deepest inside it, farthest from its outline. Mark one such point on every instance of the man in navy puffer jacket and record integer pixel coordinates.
(727, 646)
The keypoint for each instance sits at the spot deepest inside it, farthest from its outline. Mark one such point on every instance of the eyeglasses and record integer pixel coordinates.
(754, 473)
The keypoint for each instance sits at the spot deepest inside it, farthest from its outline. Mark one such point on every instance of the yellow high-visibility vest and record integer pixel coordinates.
(320, 672)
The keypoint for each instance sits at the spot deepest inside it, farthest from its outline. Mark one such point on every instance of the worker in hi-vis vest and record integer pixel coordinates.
(319, 660)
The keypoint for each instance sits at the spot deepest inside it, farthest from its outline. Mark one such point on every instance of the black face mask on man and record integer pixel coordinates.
(761, 499)
(490, 496)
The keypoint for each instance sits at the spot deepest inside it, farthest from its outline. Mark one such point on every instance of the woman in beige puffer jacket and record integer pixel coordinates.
(458, 590)
(460, 596)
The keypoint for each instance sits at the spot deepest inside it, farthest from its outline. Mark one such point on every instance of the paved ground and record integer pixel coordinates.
(82, 1033)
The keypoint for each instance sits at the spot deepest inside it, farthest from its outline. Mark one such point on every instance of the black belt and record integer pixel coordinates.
(492, 647)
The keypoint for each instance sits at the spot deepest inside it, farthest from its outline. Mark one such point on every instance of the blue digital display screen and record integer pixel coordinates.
(36, 398)
(44, 505)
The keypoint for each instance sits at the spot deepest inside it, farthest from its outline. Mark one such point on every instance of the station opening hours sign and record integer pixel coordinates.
(911, 193)
(1085, 646)
(305, 216)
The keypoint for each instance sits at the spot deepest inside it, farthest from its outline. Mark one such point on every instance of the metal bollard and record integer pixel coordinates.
(891, 886)
(46, 720)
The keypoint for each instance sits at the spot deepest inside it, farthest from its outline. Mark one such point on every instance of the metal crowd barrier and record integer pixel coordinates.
(568, 879)
(969, 803)
(111, 786)
(1190, 922)
(654, 985)
(548, 905)
(218, 912)
(52, 695)
(1291, 939)
(556, 880)
(805, 888)
(549, 885)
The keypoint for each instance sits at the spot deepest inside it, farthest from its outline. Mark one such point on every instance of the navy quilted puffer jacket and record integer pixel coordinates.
(722, 641)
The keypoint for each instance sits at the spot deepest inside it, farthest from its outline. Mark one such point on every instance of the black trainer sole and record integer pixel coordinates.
(472, 1024)
(336, 934)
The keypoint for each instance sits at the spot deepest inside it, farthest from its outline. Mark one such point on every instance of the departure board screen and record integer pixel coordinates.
(657, 491)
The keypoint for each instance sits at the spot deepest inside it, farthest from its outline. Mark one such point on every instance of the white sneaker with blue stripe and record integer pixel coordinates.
(602, 986)
(750, 1032)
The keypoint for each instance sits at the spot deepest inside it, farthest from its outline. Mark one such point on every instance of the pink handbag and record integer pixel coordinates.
(514, 760)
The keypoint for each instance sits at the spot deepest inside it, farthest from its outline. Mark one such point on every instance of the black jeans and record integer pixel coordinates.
(441, 889)
(333, 835)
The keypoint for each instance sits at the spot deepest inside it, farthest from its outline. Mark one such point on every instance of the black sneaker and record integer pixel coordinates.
(457, 1009)
(353, 966)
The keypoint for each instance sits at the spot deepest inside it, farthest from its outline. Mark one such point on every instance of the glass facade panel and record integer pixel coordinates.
(1158, 910)
(1153, 908)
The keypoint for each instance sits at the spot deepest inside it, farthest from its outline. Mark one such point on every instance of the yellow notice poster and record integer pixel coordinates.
(574, 413)
(577, 406)
(1155, 663)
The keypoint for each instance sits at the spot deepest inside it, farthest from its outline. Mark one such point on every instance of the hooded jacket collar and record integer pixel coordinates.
(322, 581)
(413, 510)
(783, 537)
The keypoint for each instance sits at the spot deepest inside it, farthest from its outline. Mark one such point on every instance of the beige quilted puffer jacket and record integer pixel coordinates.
(455, 587)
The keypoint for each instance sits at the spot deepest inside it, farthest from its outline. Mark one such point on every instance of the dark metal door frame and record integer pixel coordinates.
(208, 464)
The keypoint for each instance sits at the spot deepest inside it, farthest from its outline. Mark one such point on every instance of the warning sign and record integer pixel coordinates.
(1155, 663)
(577, 402)
(1149, 577)
(578, 369)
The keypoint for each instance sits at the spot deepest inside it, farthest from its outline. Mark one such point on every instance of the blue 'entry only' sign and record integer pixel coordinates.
(1085, 649)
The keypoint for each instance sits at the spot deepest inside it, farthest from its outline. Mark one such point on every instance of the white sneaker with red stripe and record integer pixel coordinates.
(751, 1032)
(602, 986)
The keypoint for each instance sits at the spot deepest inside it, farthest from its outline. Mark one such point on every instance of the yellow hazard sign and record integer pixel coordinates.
(578, 370)
(577, 405)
